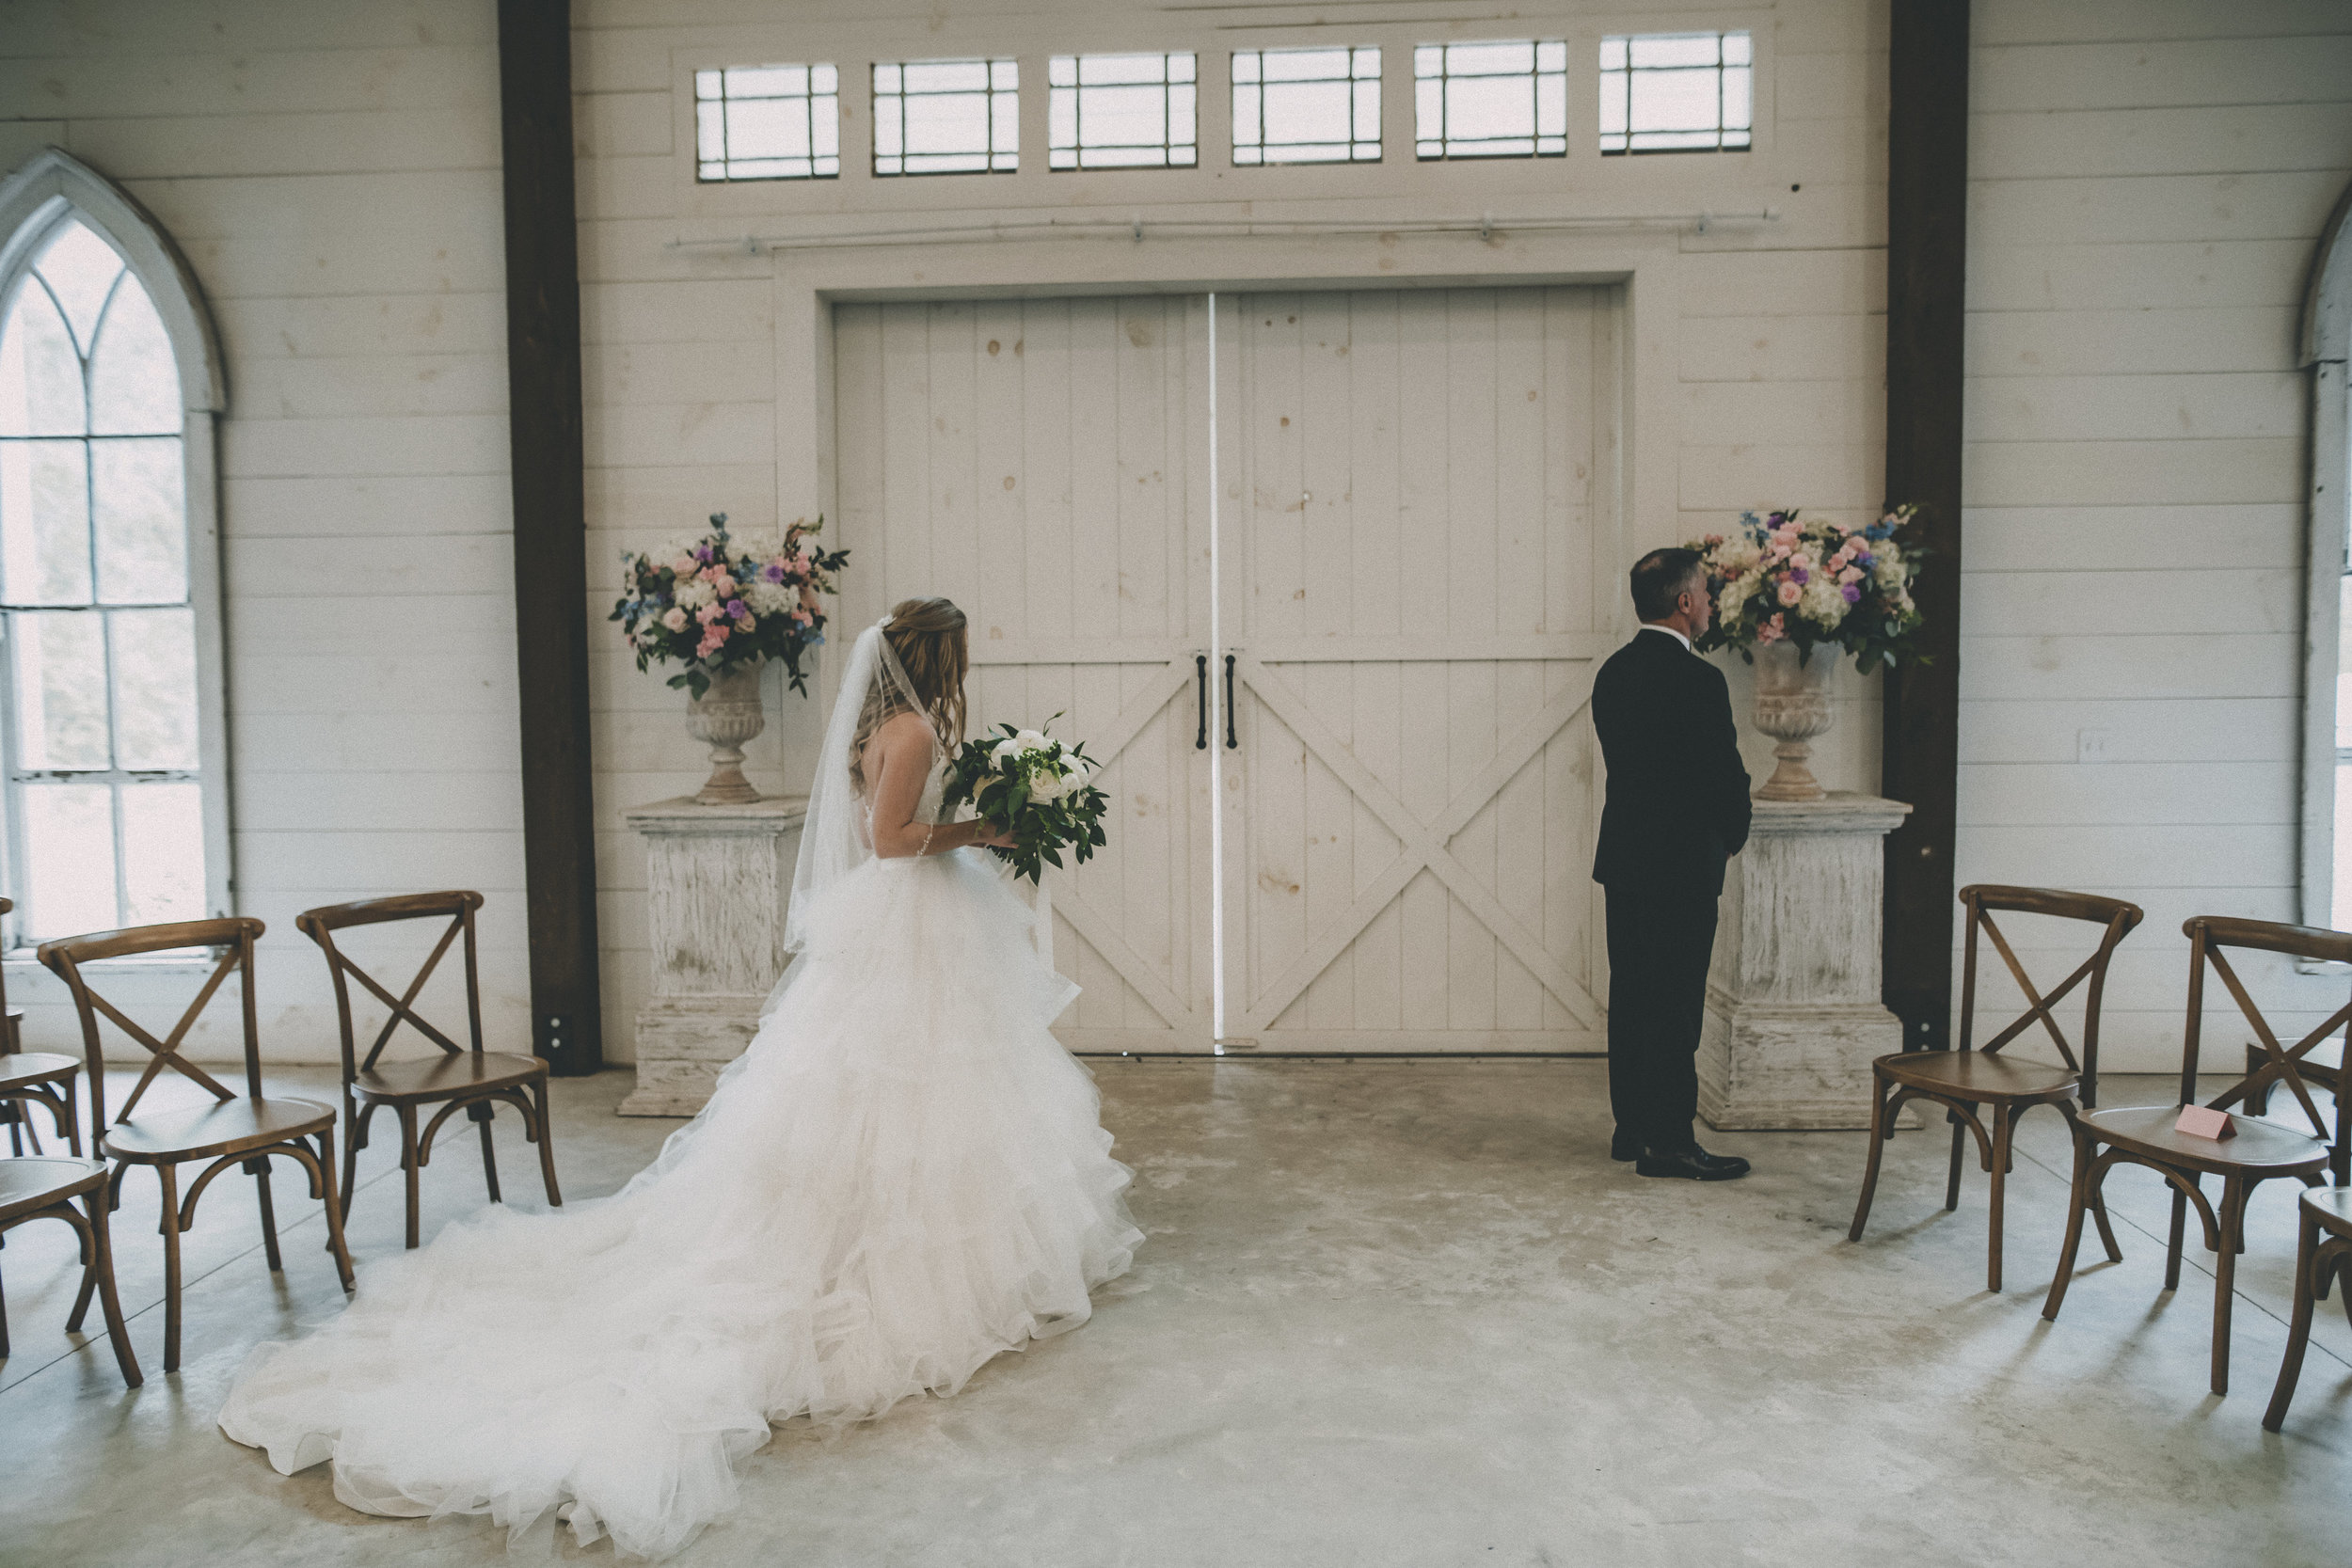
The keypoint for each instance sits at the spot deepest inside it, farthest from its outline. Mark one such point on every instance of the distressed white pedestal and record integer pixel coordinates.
(1793, 1015)
(717, 879)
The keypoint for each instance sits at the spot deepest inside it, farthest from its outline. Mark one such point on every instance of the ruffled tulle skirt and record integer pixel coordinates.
(902, 1176)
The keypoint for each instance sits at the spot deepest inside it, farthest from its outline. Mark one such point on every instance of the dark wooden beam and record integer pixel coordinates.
(1927, 212)
(542, 380)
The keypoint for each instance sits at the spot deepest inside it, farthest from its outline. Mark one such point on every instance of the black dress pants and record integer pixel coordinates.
(1659, 942)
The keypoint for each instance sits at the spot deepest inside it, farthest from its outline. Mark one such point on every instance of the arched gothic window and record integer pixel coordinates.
(109, 635)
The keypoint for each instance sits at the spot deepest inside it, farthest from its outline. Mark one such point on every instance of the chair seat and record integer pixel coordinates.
(35, 1067)
(447, 1075)
(221, 1129)
(1974, 1075)
(2333, 1207)
(34, 1181)
(2259, 1146)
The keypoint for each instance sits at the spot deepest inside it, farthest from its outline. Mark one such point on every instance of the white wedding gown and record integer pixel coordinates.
(903, 1176)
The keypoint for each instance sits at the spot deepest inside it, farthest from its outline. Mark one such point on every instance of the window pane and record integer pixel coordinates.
(70, 854)
(947, 117)
(61, 663)
(1503, 99)
(1316, 105)
(768, 123)
(142, 526)
(44, 522)
(41, 376)
(1676, 92)
(155, 688)
(162, 852)
(80, 268)
(134, 385)
(1120, 111)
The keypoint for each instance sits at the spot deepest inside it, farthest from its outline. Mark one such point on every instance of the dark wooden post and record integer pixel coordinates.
(1926, 210)
(550, 530)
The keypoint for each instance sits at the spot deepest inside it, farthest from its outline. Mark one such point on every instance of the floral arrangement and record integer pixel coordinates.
(1809, 583)
(1030, 785)
(717, 602)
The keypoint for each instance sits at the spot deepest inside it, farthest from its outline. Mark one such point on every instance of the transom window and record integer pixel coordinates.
(1122, 111)
(1491, 100)
(947, 116)
(768, 123)
(105, 792)
(1307, 105)
(1676, 92)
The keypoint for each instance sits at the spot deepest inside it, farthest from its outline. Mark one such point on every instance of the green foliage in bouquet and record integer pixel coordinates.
(1030, 785)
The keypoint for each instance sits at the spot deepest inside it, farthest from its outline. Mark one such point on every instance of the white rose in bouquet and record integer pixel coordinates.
(1049, 787)
(1003, 750)
(1031, 740)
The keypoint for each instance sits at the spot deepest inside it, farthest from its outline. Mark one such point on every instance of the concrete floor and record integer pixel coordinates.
(1389, 1313)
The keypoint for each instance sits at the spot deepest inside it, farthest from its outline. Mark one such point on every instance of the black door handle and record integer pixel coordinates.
(1200, 667)
(1230, 741)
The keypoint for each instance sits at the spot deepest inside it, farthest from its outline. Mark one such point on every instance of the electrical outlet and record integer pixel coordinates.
(2092, 745)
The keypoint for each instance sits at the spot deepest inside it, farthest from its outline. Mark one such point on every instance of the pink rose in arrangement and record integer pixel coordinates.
(1790, 593)
(1771, 631)
(1851, 573)
(673, 618)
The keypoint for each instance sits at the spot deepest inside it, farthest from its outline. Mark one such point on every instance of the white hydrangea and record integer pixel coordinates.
(1734, 597)
(770, 598)
(694, 595)
(1822, 603)
(1888, 569)
(1734, 557)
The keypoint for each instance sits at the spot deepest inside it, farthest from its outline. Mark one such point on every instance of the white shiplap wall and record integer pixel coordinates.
(332, 174)
(2148, 182)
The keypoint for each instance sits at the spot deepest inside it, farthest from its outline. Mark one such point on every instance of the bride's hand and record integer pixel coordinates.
(986, 837)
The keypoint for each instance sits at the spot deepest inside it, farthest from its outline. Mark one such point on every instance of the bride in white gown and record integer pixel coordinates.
(903, 1176)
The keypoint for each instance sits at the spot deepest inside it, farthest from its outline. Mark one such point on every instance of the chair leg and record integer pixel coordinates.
(2107, 1231)
(73, 1115)
(2234, 1194)
(481, 1111)
(351, 1165)
(408, 1166)
(2003, 1118)
(15, 1116)
(547, 1144)
(335, 1243)
(269, 1214)
(1960, 1140)
(2077, 1200)
(2180, 1228)
(4, 1323)
(25, 1115)
(168, 1176)
(2299, 1331)
(1869, 1172)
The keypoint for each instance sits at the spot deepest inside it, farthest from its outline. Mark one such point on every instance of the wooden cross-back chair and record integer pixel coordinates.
(2325, 1249)
(1969, 1077)
(43, 1187)
(247, 1131)
(472, 1080)
(2258, 1150)
(29, 1078)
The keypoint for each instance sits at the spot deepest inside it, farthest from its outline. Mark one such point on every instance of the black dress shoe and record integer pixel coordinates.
(1624, 1147)
(1691, 1164)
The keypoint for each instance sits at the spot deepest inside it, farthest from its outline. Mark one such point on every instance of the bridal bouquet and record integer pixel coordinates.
(719, 602)
(1032, 785)
(1812, 583)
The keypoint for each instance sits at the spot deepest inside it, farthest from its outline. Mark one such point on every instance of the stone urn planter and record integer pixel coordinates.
(1792, 707)
(723, 717)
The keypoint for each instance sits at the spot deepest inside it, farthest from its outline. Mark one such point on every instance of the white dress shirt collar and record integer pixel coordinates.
(1652, 626)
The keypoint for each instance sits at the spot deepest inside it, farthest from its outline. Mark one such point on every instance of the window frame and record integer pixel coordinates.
(46, 192)
(1630, 70)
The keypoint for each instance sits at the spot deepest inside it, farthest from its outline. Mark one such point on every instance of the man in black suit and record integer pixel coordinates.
(1677, 808)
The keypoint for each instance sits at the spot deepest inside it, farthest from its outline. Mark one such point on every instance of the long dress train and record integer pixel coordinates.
(903, 1176)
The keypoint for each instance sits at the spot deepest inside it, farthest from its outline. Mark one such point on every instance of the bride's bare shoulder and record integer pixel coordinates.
(904, 729)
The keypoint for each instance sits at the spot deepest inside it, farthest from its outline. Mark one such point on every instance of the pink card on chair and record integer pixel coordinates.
(2201, 1121)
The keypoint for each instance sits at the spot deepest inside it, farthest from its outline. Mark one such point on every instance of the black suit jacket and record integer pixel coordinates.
(1677, 801)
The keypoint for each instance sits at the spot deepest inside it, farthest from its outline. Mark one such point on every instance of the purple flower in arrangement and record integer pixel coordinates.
(1800, 575)
(735, 610)
(1853, 593)
(773, 572)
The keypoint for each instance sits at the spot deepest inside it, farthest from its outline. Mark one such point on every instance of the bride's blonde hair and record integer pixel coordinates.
(928, 635)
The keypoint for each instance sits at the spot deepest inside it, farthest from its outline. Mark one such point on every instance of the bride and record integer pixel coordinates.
(903, 1176)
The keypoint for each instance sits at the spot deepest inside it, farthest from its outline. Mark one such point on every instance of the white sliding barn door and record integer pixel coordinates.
(1044, 464)
(1419, 557)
